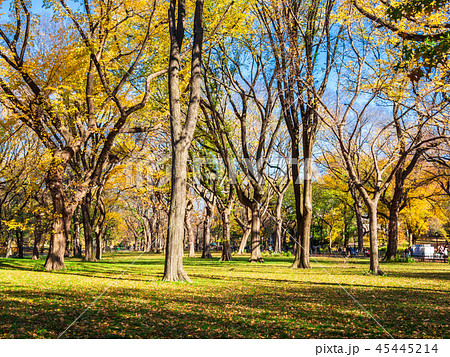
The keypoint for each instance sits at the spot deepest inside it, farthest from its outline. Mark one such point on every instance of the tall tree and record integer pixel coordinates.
(372, 157)
(298, 31)
(249, 100)
(182, 129)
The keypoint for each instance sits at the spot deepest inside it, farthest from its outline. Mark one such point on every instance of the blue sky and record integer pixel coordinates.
(36, 4)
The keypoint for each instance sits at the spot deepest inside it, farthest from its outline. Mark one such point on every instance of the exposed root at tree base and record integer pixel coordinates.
(181, 277)
(379, 273)
(258, 260)
(89, 260)
(300, 266)
(54, 266)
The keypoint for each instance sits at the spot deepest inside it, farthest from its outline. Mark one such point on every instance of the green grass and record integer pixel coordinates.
(226, 300)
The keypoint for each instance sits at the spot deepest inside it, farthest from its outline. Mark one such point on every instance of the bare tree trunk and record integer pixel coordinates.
(373, 226)
(67, 251)
(147, 233)
(100, 228)
(76, 235)
(244, 240)
(174, 247)
(99, 236)
(360, 227)
(391, 251)
(394, 211)
(99, 247)
(302, 254)
(55, 257)
(279, 228)
(226, 246)
(206, 254)
(19, 239)
(357, 204)
(189, 233)
(87, 228)
(181, 135)
(247, 228)
(154, 228)
(255, 233)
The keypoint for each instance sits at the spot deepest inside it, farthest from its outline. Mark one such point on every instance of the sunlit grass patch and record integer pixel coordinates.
(226, 300)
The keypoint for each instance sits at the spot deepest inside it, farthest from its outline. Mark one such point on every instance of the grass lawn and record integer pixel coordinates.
(226, 300)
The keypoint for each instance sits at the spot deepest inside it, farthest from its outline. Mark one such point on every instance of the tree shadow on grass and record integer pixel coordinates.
(208, 320)
(165, 311)
(422, 275)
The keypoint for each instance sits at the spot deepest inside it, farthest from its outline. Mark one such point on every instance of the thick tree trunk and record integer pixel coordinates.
(206, 254)
(173, 270)
(359, 227)
(181, 135)
(226, 251)
(100, 229)
(244, 240)
(373, 226)
(38, 231)
(255, 233)
(19, 240)
(247, 228)
(391, 251)
(357, 204)
(279, 227)
(99, 247)
(35, 255)
(394, 211)
(55, 257)
(298, 195)
(87, 228)
(302, 254)
(67, 251)
(76, 234)
(226, 243)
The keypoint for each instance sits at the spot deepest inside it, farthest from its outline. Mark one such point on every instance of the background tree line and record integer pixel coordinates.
(246, 125)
